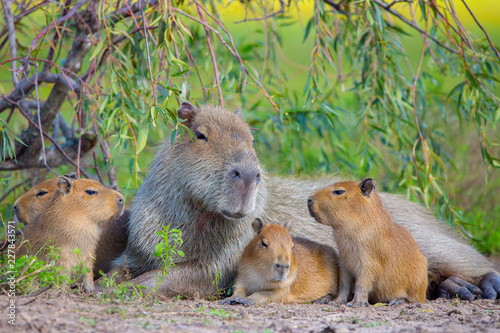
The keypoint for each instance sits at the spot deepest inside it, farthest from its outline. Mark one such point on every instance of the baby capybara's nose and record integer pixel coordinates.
(120, 202)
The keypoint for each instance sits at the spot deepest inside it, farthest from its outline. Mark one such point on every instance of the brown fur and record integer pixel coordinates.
(379, 257)
(188, 187)
(29, 205)
(276, 268)
(112, 241)
(73, 218)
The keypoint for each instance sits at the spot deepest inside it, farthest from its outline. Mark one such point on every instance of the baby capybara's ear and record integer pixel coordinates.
(367, 186)
(64, 185)
(71, 175)
(258, 224)
(288, 225)
(188, 112)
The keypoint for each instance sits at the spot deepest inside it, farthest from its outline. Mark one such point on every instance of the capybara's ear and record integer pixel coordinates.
(187, 111)
(64, 185)
(367, 186)
(258, 224)
(238, 112)
(288, 225)
(71, 175)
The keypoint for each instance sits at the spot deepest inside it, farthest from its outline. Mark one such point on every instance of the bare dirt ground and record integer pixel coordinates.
(50, 312)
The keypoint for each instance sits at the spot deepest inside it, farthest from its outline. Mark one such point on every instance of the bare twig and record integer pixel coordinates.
(334, 5)
(7, 9)
(414, 88)
(398, 1)
(147, 50)
(482, 28)
(212, 54)
(193, 62)
(386, 7)
(113, 181)
(10, 190)
(265, 17)
(96, 167)
(40, 123)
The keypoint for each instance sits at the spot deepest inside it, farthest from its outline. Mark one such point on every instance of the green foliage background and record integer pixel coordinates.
(341, 86)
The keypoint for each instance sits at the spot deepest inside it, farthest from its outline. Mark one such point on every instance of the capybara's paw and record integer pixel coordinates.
(236, 301)
(456, 287)
(324, 300)
(339, 301)
(490, 286)
(357, 303)
(396, 301)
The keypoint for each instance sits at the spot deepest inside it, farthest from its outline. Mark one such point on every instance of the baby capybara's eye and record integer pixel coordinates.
(41, 193)
(200, 136)
(90, 192)
(338, 192)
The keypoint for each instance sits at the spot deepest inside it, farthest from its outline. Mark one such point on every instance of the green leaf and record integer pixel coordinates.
(143, 136)
(97, 49)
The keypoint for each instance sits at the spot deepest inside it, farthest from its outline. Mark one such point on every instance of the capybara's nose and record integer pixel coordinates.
(280, 267)
(235, 174)
(247, 175)
(15, 208)
(120, 202)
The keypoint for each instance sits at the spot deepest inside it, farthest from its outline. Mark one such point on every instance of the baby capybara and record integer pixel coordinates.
(275, 267)
(379, 257)
(74, 218)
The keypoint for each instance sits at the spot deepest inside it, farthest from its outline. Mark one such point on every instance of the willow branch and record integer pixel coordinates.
(387, 8)
(482, 28)
(211, 48)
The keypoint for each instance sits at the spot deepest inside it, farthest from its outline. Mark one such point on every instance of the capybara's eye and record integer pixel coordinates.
(338, 192)
(200, 136)
(90, 192)
(264, 243)
(41, 193)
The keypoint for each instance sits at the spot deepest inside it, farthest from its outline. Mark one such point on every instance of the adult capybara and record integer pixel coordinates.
(377, 257)
(74, 218)
(213, 187)
(276, 268)
(112, 241)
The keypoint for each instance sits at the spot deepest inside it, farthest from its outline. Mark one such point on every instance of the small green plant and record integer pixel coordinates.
(376, 323)
(167, 249)
(32, 274)
(219, 313)
(88, 320)
(123, 292)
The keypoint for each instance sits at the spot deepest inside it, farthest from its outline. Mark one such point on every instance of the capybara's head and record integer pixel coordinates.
(345, 203)
(85, 200)
(29, 205)
(271, 251)
(220, 166)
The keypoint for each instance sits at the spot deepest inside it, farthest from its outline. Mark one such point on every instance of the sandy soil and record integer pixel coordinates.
(50, 312)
